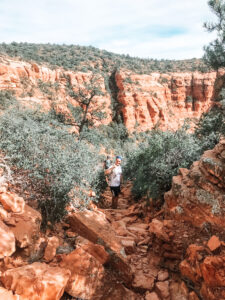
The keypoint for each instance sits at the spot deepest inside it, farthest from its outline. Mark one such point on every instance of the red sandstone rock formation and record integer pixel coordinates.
(36, 281)
(205, 270)
(39, 84)
(165, 100)
(197, 195)
(8, 243)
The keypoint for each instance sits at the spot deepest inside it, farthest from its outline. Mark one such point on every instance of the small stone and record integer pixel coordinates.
(192, 296)
(163, 275)
(162, 289)
(129, 246)
(214, 243)
(71, 234)
(151, 296)
(50, 250)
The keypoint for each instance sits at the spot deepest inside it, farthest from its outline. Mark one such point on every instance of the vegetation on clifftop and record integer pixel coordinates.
(83, 58)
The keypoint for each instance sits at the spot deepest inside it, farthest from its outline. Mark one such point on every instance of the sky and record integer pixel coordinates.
(161, 29)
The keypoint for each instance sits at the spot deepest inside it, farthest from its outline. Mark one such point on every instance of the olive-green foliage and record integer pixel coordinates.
(157, 160)
(214, 52)
(81, 58)
(40, 144)
(6, 99)
(211, 127)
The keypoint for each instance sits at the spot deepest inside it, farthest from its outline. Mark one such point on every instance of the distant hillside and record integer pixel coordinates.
(81, 58)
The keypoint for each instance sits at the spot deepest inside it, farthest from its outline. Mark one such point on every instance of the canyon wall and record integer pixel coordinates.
(147, 101)
(165, 100)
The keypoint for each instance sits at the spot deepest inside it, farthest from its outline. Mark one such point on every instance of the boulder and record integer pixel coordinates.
(151, 296)
(158, 229)
(94, 226)
(90, 280)
(8, 242)
(178, 291)
(37, 281)
(50, 250)
(213, 271)
(26, 226)
(8, 295)
(12, 202)
(162, 289)
(143, 282)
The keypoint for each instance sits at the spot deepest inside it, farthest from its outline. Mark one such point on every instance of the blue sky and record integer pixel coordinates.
(145, 28)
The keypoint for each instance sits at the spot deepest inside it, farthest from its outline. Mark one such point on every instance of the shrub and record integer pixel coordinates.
(6, 99)
(211, 127)
(157, 160)
(37, 143)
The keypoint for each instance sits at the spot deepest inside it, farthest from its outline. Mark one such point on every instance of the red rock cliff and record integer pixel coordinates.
(165, 99)
(39, 84)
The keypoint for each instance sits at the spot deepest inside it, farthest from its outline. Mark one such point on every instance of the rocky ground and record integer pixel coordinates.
(133, 252)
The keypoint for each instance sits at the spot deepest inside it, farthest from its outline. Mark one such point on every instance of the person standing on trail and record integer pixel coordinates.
(115, 180)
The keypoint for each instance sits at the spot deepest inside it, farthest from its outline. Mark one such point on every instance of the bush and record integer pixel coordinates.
(37, 143)
(211, 127)
(6, 99)
(158, 159)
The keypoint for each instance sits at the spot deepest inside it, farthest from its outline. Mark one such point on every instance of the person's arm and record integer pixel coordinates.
(109, 170)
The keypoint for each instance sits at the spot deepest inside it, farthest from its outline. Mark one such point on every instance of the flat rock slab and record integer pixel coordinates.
(94, 226)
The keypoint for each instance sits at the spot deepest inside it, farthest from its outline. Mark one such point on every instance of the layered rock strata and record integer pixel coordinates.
(197, 195)
(148, 101)
(165, 100)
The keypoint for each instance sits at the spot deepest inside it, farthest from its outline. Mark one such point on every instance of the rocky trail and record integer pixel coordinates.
(134, 252)
(154, 247)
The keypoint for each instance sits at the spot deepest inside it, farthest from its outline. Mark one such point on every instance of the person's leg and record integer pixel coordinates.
(115, 192)
(114, 202)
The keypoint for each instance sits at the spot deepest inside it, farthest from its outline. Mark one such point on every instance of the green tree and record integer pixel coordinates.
(88, 109)
(215, 51)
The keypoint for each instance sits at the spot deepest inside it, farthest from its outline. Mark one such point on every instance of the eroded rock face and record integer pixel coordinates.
(197, 195)
(37, 281)
(165, 100)
(147, 100)
(38, 84)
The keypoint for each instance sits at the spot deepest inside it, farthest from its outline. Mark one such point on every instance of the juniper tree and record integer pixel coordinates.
(215, 51)
(89, 109)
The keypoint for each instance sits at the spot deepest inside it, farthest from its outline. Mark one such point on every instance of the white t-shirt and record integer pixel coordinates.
(115, 176)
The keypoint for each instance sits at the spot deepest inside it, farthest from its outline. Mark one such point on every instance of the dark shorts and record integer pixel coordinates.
(115, 190)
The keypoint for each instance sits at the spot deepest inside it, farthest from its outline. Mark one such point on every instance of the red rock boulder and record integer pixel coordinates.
(37, 281)
(8, 242)
(94, 226)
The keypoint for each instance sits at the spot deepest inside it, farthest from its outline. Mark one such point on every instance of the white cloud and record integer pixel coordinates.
(146, 28)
